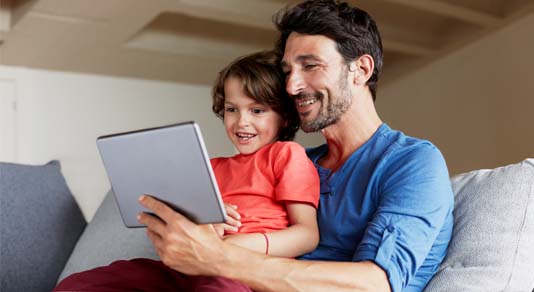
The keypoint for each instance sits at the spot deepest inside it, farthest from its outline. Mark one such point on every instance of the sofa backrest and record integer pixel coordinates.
(40, 223)
(492, 248)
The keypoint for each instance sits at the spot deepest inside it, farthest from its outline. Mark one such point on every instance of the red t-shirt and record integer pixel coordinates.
(261, 182)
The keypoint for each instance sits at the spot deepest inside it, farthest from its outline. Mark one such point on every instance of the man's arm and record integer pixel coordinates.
(198, 250)
(279, 274)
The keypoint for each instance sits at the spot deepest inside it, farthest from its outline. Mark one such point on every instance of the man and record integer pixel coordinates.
(385, 214)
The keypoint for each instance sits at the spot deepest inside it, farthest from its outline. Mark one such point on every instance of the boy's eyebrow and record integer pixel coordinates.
(255, 103)
(302, 58)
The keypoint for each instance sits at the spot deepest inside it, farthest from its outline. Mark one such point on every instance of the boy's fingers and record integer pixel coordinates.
(230, 227)
(231, 211)
(225, 226)
(233, 222)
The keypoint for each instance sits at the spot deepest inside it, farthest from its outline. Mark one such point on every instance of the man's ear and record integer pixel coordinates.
(363, 68)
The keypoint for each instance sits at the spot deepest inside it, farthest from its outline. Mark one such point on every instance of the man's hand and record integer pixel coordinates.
(181, 244)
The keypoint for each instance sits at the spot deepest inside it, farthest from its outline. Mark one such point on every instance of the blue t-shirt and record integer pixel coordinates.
(390, 203)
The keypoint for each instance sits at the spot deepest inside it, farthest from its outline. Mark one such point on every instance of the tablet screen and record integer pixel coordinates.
(170, 163)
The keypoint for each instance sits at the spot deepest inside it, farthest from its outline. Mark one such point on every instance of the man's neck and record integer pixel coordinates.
(348, 134)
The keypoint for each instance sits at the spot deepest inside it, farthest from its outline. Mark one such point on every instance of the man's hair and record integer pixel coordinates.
(354, 30)
(263, 81)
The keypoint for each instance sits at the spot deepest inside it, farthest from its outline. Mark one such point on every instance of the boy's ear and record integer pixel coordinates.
(286, 123)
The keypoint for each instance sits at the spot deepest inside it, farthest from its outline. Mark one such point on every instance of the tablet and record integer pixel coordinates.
(170, 163)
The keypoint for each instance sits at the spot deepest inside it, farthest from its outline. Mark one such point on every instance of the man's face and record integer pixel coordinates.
(317, 79)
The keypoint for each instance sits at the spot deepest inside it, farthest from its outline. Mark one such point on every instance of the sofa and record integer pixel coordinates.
(45, 238)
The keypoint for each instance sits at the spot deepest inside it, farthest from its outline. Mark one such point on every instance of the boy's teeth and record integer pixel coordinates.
(245, 136)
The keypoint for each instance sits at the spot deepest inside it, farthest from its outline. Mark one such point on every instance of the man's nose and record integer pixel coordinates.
(294, 83)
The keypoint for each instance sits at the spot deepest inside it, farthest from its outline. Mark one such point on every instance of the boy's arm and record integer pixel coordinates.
(300, 237)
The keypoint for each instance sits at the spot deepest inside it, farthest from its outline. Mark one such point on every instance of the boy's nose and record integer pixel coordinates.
(243, 120)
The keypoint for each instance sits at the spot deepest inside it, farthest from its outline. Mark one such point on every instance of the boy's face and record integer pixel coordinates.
(249, 124)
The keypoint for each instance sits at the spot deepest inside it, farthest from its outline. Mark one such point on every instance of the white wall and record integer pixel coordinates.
(476, 104)
(59, 116)
(7, 118)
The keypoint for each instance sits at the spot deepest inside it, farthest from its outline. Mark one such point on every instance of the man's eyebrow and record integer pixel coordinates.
(301, 58)
(308, 58)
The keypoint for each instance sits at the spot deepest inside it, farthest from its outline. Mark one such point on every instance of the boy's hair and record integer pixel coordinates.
(354, 30)
(263, 81)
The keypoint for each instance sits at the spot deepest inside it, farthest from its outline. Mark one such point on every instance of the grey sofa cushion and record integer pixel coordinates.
(39, 225)
(106, 240)
(492, 248)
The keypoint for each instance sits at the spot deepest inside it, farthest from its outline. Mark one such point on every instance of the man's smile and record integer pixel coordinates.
(306, 101)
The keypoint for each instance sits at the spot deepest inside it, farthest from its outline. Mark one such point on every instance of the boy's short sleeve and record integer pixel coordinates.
(414, 202)
(296, 176)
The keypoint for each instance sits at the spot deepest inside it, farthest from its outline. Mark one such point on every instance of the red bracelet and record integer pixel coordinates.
(266, 243)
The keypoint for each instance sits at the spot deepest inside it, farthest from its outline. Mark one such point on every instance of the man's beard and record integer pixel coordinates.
(333, 111)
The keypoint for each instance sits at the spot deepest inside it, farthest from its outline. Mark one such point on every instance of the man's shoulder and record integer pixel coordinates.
(402, 140)
(317, 151)
(403, 146)
(406, 152)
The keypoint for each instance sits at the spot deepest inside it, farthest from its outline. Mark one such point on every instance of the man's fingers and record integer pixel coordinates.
(155, 238)
(152, 223)
(159, 208)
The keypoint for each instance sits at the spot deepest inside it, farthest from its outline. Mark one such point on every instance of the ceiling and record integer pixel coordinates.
(190, 40)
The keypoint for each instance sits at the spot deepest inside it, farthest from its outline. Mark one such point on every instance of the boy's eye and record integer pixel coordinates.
(230, 109)
(258, 110)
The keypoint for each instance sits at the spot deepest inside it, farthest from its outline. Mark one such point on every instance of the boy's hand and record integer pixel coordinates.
(233, 220)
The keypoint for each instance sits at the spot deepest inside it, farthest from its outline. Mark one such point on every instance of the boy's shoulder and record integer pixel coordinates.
(286, 146)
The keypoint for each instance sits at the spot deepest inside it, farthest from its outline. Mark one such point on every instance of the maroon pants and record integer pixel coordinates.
(144, 275)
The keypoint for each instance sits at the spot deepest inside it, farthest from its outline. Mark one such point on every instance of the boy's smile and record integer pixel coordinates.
(249, 124)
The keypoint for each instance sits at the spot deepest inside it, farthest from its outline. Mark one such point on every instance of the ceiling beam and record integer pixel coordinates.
(453, 11)
(253, 13)
(160, 42)
(406, 48)
(5, 16)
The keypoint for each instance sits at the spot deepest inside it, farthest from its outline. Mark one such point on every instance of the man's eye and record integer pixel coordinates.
(310, 66)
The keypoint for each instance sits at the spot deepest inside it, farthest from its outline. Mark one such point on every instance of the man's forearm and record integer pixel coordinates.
(198, 250)
(263, 273)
